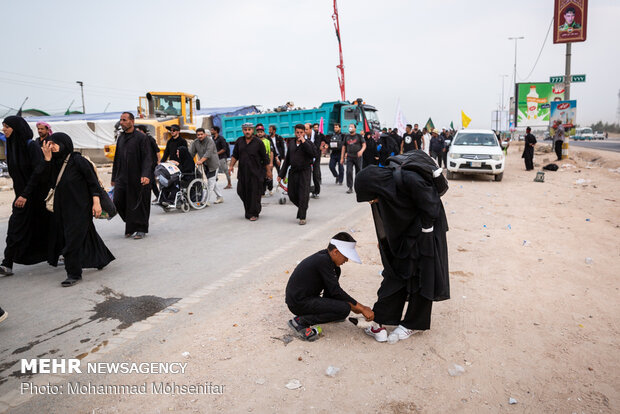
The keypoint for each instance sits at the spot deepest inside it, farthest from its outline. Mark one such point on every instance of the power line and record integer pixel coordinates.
(539, 53)
(127, 91)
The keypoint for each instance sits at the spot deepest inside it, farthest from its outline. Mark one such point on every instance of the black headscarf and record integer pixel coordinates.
(17, 156)
(66, 147)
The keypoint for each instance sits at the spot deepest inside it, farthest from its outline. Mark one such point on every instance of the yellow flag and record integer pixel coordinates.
(465, 120)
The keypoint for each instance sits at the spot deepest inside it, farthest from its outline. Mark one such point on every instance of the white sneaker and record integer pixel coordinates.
(377, 332)
(219, 200)
(399, 334)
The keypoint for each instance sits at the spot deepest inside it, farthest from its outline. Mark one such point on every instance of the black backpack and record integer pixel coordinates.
(551, 167)
(421, 163)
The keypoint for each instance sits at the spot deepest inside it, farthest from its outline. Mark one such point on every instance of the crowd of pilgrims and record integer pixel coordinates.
(67, 234)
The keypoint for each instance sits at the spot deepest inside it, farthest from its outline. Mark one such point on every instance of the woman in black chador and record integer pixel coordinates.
(26, 238)
(76, 201)
(411, 228)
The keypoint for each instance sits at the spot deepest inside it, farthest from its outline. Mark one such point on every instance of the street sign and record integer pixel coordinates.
(573, 79)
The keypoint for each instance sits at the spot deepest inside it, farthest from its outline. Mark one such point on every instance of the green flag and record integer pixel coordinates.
(451, 125)
(429, 125)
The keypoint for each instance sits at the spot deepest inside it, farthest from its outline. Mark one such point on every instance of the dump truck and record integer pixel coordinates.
(365, 118)
(159, 111)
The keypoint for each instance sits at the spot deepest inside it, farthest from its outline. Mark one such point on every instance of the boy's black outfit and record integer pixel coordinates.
(317, 274)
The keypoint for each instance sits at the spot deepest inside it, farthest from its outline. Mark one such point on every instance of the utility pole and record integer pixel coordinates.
(514, 79)
(503, 77)
(82, 88)
(514, 82)
(567, 73)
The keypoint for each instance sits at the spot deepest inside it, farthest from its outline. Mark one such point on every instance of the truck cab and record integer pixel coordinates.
(160, 110)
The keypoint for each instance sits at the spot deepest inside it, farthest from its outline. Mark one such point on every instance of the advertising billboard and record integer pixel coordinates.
(566, 113)
(534, 102)
(570, 21)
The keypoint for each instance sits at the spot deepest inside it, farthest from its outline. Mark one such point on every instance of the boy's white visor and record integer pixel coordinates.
(347, 249)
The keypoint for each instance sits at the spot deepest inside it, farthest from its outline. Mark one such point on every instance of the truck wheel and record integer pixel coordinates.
(450, 175)
(498, 177)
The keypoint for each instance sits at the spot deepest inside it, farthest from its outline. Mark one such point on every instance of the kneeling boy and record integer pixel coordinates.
(320, 273)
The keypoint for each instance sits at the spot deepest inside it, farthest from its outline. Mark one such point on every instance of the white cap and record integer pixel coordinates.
(347, 249)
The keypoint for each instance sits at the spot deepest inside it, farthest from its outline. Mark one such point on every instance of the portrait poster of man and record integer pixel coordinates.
(570, 21)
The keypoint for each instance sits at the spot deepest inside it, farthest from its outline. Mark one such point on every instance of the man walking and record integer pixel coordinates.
(528, 149)
(314, 137)
(437, 146)
(336, 141)
(277, 143)
(131, 178)
(204, 147)
(155, 156)
(44, 130)
(253, 166)
(352, 150)
(313, 293)
(260, 134)
(173, 144)
(409, 140)
(299, 158)
(223, 153)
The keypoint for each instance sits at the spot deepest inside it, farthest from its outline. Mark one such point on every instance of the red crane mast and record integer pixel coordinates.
(341, 65)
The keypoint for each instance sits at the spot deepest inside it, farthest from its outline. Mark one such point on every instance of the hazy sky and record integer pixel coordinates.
(437, 57)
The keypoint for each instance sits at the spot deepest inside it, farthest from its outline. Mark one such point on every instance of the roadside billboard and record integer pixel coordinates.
(566, 113)
(534, 102)
(570, 21)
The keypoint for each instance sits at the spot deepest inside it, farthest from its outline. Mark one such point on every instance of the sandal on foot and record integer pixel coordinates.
(70, 282)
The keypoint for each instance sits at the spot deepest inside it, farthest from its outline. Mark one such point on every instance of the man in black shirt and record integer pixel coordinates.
(253, 168)
(299, 157)
(335, 146)
(352, 150)
(318, 274)
(278, 144)
(528, 149)
(173, 144)
(155, 160)
(223, 152)
(316, 139)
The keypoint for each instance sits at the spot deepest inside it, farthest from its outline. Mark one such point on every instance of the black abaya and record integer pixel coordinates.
(411, 228)
(73, 232)
(27, 232)
(252, 160)
(299, 159)
(133, 160)
(528, 152)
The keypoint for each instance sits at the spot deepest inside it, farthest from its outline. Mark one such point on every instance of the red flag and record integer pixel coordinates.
(321, 126)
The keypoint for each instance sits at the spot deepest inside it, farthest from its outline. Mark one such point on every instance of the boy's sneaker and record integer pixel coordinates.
(310, 334)
(377, 332)
(3, 315)
(399, 334)
(219, 200)
(6, 271)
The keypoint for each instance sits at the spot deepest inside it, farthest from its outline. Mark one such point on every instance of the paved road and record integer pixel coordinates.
(607, 145)
(183, 253)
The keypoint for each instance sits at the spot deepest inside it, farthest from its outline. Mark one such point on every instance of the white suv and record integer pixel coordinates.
(476, 151)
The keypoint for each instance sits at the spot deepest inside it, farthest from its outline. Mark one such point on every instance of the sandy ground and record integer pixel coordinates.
(533, 316)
